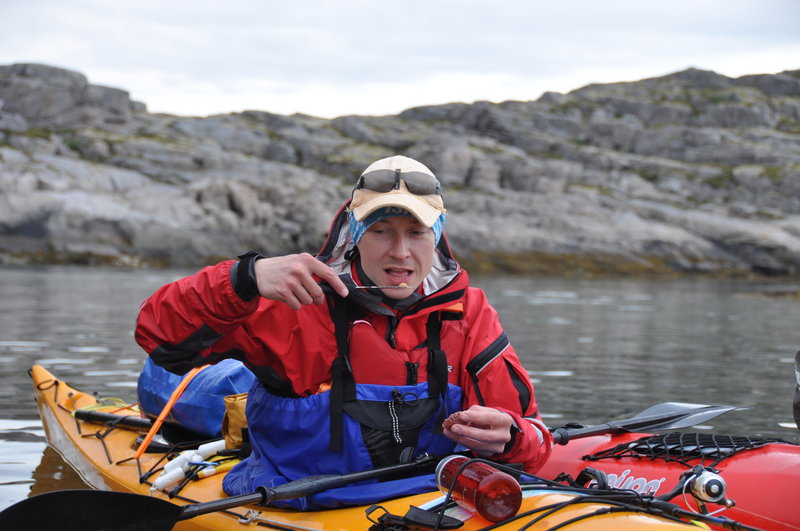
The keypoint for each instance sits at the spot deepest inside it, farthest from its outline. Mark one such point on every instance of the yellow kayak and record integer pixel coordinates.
(102, 454)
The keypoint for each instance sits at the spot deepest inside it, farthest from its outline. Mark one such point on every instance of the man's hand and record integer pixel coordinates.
(481, 429)
(290, 279)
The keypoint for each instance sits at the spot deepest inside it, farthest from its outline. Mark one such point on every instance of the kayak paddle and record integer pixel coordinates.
(87, 510)
(663, 416)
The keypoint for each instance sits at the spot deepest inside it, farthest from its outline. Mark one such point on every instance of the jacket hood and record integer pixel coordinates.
(337, 252)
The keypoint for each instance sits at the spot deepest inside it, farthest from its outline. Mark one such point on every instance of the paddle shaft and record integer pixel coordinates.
(310, 485)
(190, 511)
(104, 418)
(564, 435)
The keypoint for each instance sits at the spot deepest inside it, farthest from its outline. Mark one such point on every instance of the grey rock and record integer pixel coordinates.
(53, 97)
(783, 84)
(693, 171)
(10, 121)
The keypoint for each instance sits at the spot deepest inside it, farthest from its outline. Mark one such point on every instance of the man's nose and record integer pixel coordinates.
(399, 246)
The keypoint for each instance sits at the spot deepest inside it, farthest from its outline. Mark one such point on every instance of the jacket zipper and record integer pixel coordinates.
(391, 329)
(396, 397)
(412, 373)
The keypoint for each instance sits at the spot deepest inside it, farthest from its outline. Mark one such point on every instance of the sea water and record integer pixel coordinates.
(595, 349)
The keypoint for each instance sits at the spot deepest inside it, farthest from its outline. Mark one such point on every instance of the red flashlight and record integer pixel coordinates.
(479, 487)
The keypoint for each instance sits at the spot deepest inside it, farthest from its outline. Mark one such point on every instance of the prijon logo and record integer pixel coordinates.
(641, 485)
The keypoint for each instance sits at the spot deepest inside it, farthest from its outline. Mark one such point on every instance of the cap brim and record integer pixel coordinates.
(418, 205)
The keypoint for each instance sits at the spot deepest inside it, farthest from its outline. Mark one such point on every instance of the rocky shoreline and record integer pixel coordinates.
(692, 172)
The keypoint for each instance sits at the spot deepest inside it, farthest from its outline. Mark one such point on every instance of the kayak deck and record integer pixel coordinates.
(102, 456)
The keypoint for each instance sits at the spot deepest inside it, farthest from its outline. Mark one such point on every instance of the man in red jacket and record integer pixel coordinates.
(361, 352)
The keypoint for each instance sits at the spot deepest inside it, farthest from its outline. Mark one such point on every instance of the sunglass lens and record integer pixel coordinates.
(419, 183)
(379, 180)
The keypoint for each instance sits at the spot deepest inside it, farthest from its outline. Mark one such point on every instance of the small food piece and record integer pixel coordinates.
(402, 285)
(452, 420)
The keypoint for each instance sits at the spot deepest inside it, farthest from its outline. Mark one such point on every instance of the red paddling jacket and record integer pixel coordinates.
(365, 340)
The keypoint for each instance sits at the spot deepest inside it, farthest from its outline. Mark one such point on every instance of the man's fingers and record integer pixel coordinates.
(485, 417)
(292, 279)
(293, 296)
(475, 440)
(301, 293)
(478, 433)
(311, 288)
(326, 274)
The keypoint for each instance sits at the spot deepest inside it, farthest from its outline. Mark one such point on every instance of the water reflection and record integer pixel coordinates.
(53, 473)
(22, 443)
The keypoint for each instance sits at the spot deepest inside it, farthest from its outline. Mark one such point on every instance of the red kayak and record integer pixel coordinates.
(757, 480)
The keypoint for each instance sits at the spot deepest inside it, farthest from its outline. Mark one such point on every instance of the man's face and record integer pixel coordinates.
(397, 250)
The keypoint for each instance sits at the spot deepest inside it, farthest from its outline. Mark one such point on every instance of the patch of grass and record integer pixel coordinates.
(76, 144)
(721, 180)
(157, 137)
(718, 182)
(567, 107)
(36, 132)
(648, 175)
(715, 97)
(773, 173)
(788, 126)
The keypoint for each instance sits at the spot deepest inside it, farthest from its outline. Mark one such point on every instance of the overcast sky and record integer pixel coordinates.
(331, 58)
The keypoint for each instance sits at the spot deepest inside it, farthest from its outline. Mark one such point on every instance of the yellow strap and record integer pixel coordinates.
(167, 408)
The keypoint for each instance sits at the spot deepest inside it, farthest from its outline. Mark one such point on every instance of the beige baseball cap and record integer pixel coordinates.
(401, 182)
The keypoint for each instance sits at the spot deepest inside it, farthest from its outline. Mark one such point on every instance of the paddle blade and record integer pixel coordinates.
(90, 510)
(664, 416)
(673, 416)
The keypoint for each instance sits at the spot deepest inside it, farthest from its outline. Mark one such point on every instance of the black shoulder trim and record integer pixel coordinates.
(451, 316)
(522, 389)
(181, 358)
(483, 359)
(266, 375)
(275, 384)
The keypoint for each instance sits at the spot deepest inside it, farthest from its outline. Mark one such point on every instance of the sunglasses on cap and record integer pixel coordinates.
(417, 182)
